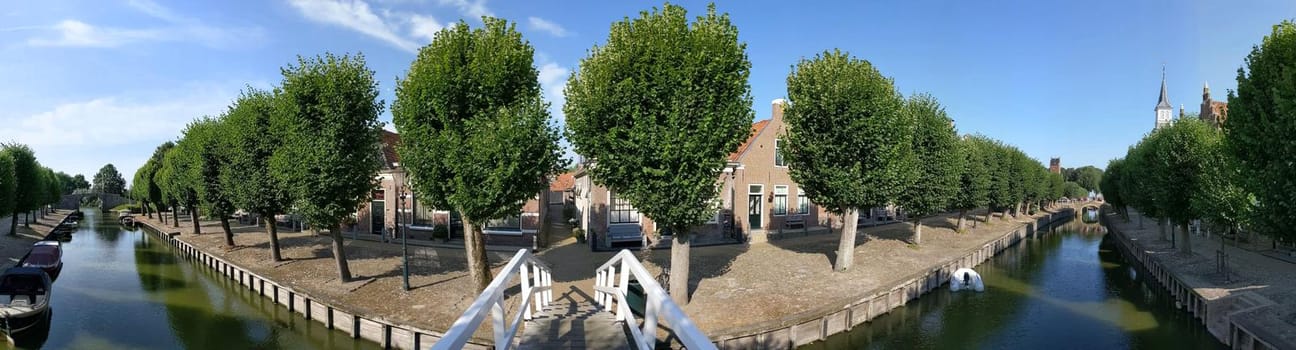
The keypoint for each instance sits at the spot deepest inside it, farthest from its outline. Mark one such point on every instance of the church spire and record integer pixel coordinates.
(1165, 98)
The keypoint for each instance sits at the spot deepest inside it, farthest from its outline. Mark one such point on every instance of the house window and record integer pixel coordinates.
(803, 202)
(778, 153)
(780, 200)
(621, 212)
(512, 223)
(422, 213)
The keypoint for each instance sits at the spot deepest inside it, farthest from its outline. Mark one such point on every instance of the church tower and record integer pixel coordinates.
(1163, 108)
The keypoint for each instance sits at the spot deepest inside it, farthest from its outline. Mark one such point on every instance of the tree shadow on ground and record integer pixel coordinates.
(704, 262)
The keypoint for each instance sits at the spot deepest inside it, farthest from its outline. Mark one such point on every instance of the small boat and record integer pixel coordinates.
(72, 223)
(965, 279)
(24, 298)
(126, 218)
(47, 256)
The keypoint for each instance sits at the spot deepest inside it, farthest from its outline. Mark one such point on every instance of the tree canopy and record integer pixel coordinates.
(1261, 115)
(109, 180)
(659, 107)
(474, 124)
(253, 142)
(974, 177)
(937, 162)
(329, 154)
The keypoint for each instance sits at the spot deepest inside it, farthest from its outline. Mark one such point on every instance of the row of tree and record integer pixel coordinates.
(27, 187)
(662, 103)
(1236, 177)
(309, 146)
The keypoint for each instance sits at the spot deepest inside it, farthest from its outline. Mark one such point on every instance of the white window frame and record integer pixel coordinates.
(778, 152)
(761, 192)
(774, 207)
(803, 202)
(608, 217)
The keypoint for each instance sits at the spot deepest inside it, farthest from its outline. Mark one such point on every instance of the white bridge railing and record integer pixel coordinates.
(536, 292)
(613, 282)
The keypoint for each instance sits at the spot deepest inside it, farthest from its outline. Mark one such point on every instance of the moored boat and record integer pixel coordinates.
(47, 256)
(24, 298)
(966, 279)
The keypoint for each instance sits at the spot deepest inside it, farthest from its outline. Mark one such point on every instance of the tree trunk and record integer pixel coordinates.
(193, 217)
(989, 213)
(846, 247)
(229, 235)
(339, 255)
(1004, 216)
(1140, 221)
(961, 220)
(679, 267)
(1186, 245)
(917, 237)
(273, 231)
(148, 211)
(13, 225)
(175, 216)
(475, 245)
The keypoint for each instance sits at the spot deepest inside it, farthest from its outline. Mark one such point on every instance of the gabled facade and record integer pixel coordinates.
(379, 214)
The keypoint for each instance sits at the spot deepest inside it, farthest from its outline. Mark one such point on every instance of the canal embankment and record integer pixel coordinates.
(14, 247)
(1252, 307)
(372, 307)
(790, 297)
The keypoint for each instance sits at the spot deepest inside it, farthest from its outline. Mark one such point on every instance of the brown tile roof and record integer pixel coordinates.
(389, 140)
(757, 127)
(563, 182)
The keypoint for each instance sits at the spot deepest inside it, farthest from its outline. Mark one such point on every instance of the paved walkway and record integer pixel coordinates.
(572, 324)
(1252, 274)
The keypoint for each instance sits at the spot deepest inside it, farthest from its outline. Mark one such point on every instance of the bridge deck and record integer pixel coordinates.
(574, 325)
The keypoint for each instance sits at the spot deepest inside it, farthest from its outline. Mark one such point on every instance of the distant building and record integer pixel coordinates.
(1212, 112)
(1055, 165)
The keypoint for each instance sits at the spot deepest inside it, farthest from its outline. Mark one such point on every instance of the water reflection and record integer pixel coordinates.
(125, 288)
(1071, 289)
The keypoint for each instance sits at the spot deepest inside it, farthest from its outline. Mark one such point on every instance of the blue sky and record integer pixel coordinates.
(91, 82)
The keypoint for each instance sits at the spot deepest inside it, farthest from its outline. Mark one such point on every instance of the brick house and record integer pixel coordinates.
(379, 214)
(757, 197)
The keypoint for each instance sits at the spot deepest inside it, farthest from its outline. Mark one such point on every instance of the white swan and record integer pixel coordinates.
(965, 278)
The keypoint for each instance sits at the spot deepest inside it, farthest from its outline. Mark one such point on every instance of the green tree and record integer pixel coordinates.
(207, 149)
(8, 184)
(53, 189)
(108, 180)
(1137, 183)
(1112, 192)
(678, 89)
(177, 184)
(1260, 116)
(1055, 187)
(68, 182)
(139, 186)
(329, 157)
(1219, 197)
(472, 119)
(1089, 177)
(849, 142)
(253, 142)
(1070, 189)
(27, 178)
(1179, 162)
(79, 182)
(974, 177)
(154, 165)
(937, 162)
(1000, 163)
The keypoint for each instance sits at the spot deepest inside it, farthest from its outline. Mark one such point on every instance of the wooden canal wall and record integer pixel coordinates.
(388, 334)
(821, 325)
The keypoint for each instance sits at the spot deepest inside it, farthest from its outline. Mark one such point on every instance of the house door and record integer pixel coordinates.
(377, 214)
(755, 208)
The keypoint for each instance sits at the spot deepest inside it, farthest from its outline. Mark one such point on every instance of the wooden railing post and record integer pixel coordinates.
(598, 295)
(548, 293)
(624, 289)
(497, 316)
(650, 318)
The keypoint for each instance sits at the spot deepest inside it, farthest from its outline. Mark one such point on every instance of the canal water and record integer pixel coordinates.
(1072, 289)
(127, 289)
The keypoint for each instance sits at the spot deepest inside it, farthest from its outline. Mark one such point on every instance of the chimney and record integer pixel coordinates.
(777, 113)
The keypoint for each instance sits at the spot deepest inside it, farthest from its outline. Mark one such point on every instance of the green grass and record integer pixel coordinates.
(134, 208)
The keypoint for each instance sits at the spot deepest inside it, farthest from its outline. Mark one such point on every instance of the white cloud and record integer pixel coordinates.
(547, 26)
(116, 120)
(553, 79)
(75, 33)
(424, 27)
(474, 9)
(356, 15)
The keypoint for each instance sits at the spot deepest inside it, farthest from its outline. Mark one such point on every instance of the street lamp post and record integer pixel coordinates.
(404, 245)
